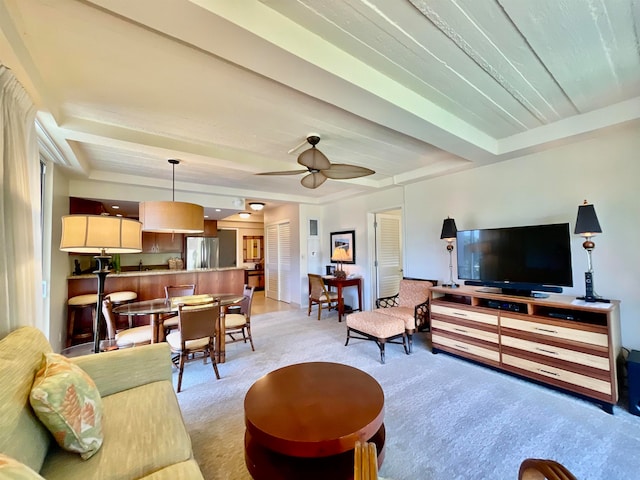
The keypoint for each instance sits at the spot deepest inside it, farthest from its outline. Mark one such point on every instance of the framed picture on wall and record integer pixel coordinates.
(343, 246)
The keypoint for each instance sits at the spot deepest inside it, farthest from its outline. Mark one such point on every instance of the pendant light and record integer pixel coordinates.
(172, 217)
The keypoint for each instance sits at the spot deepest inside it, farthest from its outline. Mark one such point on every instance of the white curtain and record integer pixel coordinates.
(20, 233)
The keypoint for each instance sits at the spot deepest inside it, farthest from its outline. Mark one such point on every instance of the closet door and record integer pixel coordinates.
(388, 253)
(278, 262)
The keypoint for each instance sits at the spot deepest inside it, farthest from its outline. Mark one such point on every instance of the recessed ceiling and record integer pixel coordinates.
(411, 89)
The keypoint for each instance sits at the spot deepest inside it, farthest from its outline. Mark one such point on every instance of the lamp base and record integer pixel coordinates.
(592, 299)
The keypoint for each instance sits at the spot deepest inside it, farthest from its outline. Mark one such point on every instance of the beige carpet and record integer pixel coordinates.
(446, 418)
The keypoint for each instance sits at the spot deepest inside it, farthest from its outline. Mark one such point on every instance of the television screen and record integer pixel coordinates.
(533, 256)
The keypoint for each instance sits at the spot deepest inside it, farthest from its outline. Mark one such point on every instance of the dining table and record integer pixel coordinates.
(161, 306)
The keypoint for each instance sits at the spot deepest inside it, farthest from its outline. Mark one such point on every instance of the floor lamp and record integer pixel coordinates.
(587, 225)
(448, 233)
(103, 235)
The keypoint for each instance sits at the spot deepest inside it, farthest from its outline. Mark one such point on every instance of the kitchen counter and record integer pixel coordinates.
(141, 273)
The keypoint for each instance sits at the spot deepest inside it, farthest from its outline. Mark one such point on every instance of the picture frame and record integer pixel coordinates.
(346, 240)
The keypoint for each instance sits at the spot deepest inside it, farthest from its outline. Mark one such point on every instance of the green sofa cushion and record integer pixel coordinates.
(22, 435)
(188, 470)
(67, 401)
(149, 421)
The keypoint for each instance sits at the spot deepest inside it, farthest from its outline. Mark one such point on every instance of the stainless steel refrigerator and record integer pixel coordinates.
(202, 252)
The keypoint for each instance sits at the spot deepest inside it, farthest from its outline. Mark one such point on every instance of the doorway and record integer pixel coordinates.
(388, 252)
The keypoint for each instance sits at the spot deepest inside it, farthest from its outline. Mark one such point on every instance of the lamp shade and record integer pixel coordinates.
(100, 234)
(171, 217)
(449, 229)
(340, 255)
(587, 223)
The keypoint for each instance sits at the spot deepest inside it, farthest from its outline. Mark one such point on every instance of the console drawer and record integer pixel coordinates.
(555, 331)
(471, 315)
(551, 351)
(558, 374)
(463, 330)
(464, 347)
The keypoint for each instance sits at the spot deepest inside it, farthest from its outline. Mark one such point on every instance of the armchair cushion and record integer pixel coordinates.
(68, 403)
(413, 292)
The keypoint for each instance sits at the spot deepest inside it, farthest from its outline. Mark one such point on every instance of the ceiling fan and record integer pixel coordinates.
(319, 168)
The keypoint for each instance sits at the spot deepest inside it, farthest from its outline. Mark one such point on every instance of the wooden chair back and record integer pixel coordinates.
(245, 304)
(365, 461)
(317, 288)
(171, 291)
(198, 321)
(109, 318)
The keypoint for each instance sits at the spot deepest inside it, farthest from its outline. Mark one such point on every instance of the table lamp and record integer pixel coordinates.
(339, 256)
(448, 233)
(103, 235)
(587, 225)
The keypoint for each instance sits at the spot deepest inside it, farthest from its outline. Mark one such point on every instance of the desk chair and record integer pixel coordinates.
(319, 295)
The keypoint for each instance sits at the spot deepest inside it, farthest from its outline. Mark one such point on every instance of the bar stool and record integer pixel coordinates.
(120, 298)
(78, 304)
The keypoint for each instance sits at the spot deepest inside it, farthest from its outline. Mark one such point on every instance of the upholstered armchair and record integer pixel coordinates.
(411, 304)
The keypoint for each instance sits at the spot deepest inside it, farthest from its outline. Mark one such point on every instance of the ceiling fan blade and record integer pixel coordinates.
(314, 159)
(288, 172)
(313, 180)
(341, 171)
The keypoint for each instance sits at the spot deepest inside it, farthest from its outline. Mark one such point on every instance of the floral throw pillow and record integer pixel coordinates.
(67, 402)
(12, 469)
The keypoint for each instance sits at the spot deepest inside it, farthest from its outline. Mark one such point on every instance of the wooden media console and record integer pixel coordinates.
(559, 340)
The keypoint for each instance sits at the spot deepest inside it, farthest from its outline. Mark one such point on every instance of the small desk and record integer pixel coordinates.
(302, 421)
(340, 283)
(154, 308)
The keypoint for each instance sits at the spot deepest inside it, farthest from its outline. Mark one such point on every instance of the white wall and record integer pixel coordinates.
(58, 193)
(354, 214)
(545, 187)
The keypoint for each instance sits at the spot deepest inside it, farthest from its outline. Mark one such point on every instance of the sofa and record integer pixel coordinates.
(144, 432)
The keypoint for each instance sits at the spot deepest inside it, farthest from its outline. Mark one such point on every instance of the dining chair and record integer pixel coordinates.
(128, 337)
(196, 333)
(170, 320)
(239, 322)
(319, 295)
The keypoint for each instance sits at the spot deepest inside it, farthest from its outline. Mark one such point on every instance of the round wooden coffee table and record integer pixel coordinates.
(302, 421)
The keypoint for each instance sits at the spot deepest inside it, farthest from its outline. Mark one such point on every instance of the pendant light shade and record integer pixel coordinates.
(171, 217)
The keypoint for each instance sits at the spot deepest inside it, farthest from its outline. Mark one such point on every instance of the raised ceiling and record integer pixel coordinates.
(411, 88)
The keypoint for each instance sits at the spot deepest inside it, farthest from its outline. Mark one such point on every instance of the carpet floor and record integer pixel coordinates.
(446, 418)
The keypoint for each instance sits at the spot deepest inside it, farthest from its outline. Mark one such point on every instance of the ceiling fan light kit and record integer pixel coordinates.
(319, 168)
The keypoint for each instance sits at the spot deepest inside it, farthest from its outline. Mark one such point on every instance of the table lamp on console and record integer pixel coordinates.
(340, 256)
(448, 233)
(104, 235)
(587, 225)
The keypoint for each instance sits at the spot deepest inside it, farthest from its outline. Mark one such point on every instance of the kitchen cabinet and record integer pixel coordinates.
(153, 242)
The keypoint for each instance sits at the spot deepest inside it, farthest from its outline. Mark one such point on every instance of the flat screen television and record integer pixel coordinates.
(518, 260)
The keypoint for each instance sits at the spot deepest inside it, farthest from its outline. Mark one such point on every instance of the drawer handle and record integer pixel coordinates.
(460, 314)
(546, 351)
(461, 347)
(547, 372)
(460, 330)
(546, 330)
